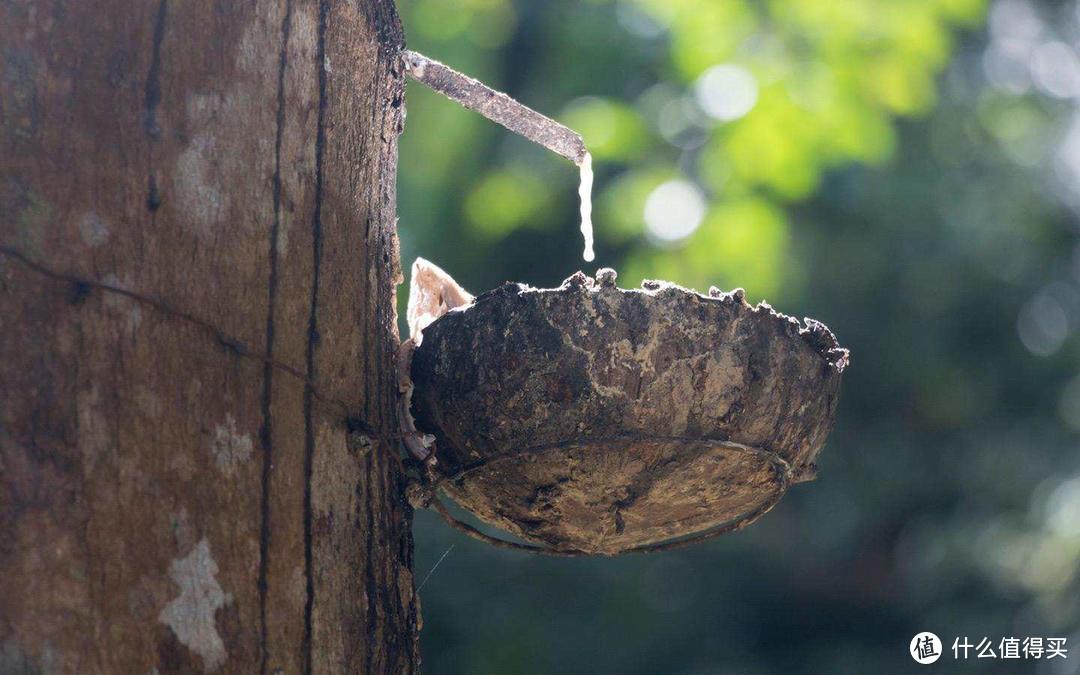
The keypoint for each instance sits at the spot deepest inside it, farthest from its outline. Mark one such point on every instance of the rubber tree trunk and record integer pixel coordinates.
(197, 339)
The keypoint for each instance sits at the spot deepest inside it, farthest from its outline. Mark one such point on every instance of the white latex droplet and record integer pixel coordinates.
(585, 193)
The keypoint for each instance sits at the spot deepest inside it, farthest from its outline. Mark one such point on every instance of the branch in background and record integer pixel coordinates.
(496, 106)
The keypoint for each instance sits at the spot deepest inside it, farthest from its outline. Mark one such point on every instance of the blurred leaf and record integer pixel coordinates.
(897, 87)
(774, 146)
(742, 243)
(506, 199)
(746, 243)
(493, 24)
(964, 12)
(439, 19)
(612, 130)
(705, 33)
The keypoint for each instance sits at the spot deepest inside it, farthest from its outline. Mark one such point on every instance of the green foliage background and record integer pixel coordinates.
(908, 173)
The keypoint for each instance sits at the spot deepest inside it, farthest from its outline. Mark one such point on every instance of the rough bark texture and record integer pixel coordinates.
(197, 339)
(583, 409)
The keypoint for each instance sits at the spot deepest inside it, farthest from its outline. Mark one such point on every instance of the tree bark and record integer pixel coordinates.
(197, 314)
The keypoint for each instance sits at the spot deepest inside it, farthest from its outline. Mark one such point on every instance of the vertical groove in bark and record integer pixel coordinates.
(197, 261)
(267, 430)
(153, 75)
(313, 331)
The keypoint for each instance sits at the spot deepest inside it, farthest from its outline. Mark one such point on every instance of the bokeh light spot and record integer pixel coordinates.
(1043, 324)
(673, 211)
(1056, 69)
(726, 92)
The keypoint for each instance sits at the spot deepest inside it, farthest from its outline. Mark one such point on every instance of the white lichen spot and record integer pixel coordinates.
(251, 49)
(326, 64)
(199, 196)
(230, 447)
(305, 28)
(93, 230)
(190, 615)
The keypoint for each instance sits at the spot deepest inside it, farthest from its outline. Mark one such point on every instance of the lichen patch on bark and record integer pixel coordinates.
(229, 446)
(190, 615)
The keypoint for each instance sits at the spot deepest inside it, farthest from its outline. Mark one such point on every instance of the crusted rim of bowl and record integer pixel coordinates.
(811, 331)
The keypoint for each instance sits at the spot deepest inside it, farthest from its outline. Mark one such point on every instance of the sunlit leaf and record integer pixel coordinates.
(506, 199)
(612, 130)
(743, 243)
